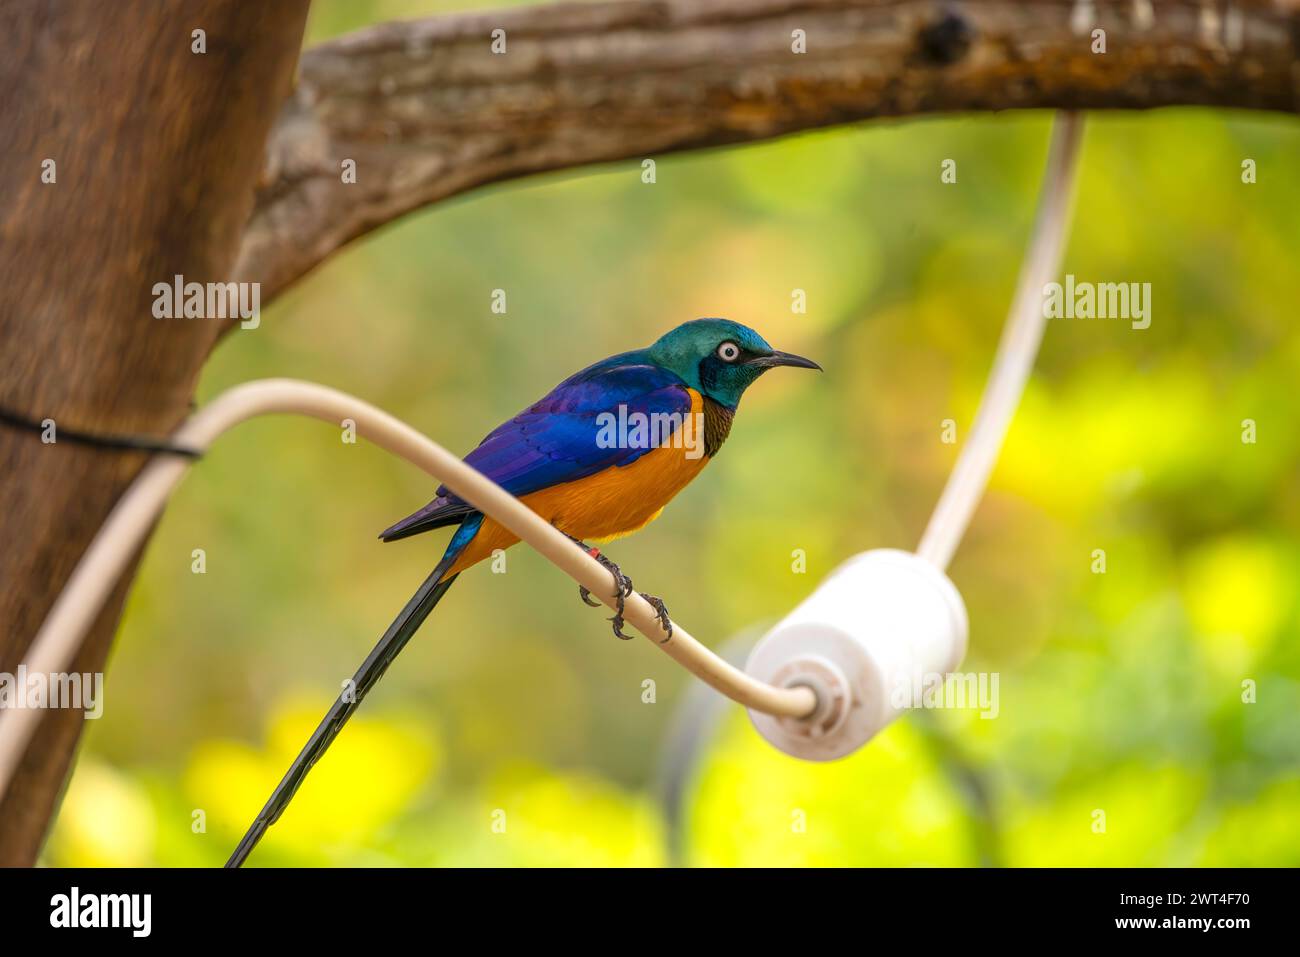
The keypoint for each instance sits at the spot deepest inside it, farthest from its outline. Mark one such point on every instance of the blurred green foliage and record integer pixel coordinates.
(513, 730)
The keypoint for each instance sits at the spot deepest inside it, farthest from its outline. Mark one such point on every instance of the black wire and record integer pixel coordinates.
(134, 443)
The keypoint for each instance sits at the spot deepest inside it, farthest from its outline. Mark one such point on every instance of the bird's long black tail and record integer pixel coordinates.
(372, 669)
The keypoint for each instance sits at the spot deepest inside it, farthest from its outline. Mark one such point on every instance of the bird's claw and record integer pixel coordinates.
(623, 582)
(661, 616)
(618, 620)
(624, 588)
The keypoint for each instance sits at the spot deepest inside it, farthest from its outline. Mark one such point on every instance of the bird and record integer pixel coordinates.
(599, 457)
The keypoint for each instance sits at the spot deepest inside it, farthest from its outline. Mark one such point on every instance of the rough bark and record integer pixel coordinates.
(426, 110)
(157, 151)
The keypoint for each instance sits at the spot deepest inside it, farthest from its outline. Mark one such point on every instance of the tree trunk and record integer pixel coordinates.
(156, 150)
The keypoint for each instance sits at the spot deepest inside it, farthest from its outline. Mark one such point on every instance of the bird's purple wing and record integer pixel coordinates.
(564, 436)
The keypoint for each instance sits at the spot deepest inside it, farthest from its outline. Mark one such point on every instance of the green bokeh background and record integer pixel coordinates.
(1121, 692)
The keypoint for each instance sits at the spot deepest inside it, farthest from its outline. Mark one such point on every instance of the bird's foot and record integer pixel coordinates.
(661, 615)
(624, 585)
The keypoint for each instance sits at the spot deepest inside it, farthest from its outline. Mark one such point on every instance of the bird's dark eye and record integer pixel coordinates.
(728, 352)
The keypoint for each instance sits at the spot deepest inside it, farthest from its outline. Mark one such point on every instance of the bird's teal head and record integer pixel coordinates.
(720, 358)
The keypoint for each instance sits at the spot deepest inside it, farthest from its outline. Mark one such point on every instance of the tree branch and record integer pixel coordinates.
(427, 110)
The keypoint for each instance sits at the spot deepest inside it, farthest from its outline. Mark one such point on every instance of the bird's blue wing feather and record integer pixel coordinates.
(559, 438)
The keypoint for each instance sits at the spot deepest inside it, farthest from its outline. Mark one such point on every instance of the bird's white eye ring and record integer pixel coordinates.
(728, 352)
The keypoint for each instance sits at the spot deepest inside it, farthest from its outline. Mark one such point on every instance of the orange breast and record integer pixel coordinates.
(609, 504)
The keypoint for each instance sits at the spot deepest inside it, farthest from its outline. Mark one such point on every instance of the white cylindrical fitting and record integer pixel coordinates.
(882, 627)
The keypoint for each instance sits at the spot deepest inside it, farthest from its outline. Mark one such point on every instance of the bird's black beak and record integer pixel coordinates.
(783, 359)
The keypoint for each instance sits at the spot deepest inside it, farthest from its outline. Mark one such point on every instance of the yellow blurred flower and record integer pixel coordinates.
(1236, 591)
(532, 817)
(1135, 817)
(882, 806)
(106, 820)
(370, 774)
